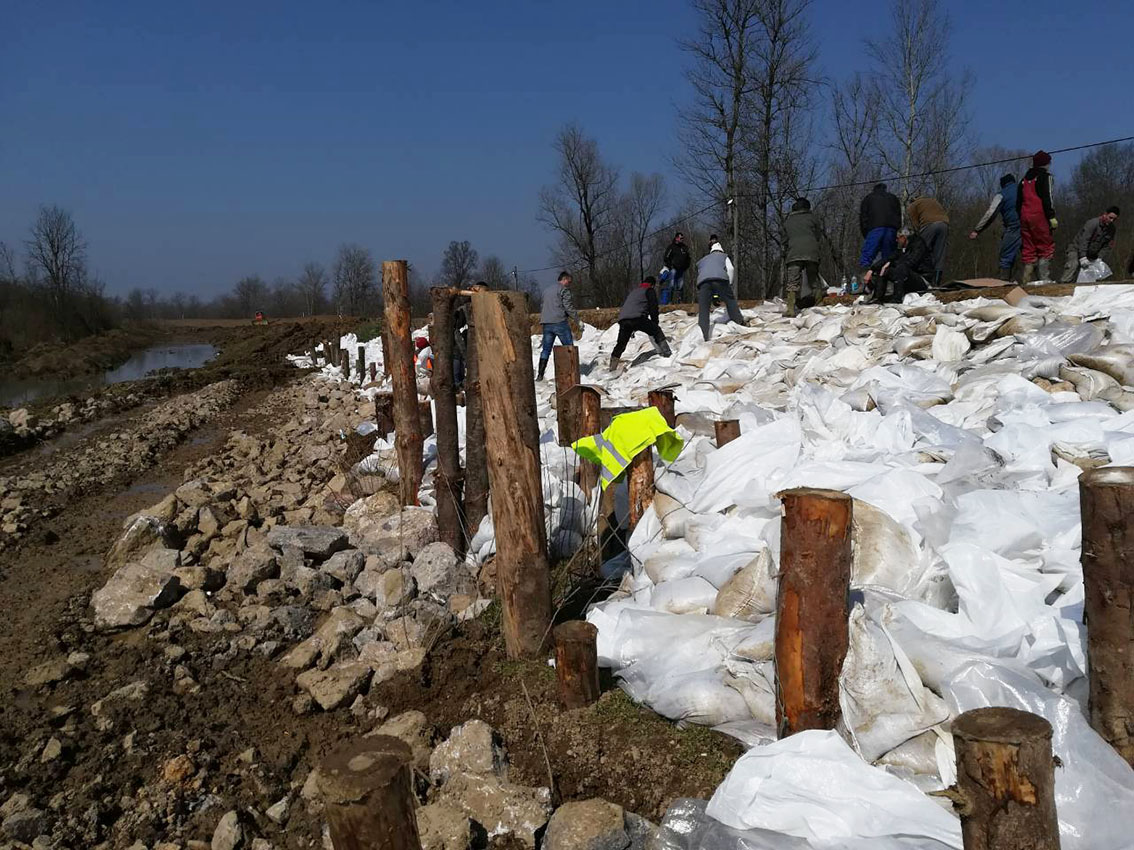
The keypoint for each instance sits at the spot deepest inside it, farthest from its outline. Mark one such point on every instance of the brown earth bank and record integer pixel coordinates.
(202, 725)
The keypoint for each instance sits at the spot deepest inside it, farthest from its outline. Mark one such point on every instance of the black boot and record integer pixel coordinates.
(542, 368)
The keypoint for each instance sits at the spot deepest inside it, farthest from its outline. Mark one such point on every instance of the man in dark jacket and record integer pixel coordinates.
(879, 218)
(801, 232)
(1004, 203)
(639, 313)
(1093, 238)
(906, 270)
(677, 260)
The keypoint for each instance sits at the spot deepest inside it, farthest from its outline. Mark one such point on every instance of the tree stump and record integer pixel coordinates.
(663, 400)
(576, 663)
(1005, 780)
(726, 430)
(811, 608)
(367, 790)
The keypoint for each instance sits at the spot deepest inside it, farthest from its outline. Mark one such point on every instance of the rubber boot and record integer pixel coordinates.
(615, 365)
(542, 368)
(1029, 272)
(1044, 268)
(1005, 274)
(662, 345)
(790, 311)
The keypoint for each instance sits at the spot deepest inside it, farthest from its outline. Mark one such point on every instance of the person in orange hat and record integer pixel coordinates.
(1037, 218)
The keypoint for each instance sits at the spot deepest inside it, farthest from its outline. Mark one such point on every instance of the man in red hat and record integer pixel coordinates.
(1037, 218)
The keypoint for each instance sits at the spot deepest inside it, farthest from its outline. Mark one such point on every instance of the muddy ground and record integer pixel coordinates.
(165, 765)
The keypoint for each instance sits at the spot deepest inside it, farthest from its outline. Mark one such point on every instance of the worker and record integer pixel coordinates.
(906, 270)
(639, 313)
(558, 309)
(1093, 238)
(1036, 209)
(626, 436)
(801, 233)
(716, 276)
(677, 260)
(879, 217)
(929, 220)
(1004, 203)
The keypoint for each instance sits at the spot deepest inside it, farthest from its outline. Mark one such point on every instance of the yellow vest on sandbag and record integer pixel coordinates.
(628, 434)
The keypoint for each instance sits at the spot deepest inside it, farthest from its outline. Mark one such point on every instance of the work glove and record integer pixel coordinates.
(1054, 222)
(1084, 262)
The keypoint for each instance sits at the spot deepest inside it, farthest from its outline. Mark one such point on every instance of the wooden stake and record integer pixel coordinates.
(362, 364)
(566, 359)
(663, 400)
(407, 416)
(344, 363)
(447, 480)
(1005, 780)
(385, 352)
(373, 371)
(811, 608)
(640, 480)
(727, 430)
(1106, 501)
(576, 663)
(476, 458)
(512, 431)
(384, 413)
(367, 790)
(425, 407)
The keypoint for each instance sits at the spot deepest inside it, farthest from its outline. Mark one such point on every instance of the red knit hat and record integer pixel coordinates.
(420, 342)
(1041, 158)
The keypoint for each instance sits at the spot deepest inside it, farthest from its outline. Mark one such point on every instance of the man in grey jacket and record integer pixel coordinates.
(1094, 236)
(716, 276)
(639, 313)
(558, 307)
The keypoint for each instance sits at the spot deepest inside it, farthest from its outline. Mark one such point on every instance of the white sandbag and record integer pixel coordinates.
(882, 552)
(1114, 360)
(672, 515)
(701, 697)
(689, 595)
(1093, 785)
(674, 559)
(882, 698)
(949, 345)
(813, 786)
(751, 592)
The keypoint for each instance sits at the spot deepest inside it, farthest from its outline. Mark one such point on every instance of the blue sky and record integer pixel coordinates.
(199, 142)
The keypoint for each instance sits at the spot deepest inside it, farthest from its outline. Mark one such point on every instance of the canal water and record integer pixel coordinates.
(17, 392)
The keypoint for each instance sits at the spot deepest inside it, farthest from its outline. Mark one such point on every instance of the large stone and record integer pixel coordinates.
(386, 660)
(318, 542)
(436, 569)
(413, 728)
(335, 633)
(442, 827)
(195, 493)
(587, 825)
(251, 567)
(346, 565)
(335, 685)
(229, 834)
(501, 808)
(400, 536)
(388, 588)
(369, 512)
(48, 673)
(470, 748)
(406, 632)
(25, 825)
(141, 534)
(132, 595)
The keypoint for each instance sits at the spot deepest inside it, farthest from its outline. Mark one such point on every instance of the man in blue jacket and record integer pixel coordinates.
(1004, 202)
(879, 218)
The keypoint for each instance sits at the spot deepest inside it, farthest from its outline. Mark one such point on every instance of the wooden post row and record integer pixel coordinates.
(476, 458)
(507, 387)
(811, 608)
(1106, 502)
(447, 480)
(663, 400)
(1005, 780)
(344, 363)
(407, 415)
(566, 358)
(373, 371)
(362, 364)
(367, 790)
(576, 663)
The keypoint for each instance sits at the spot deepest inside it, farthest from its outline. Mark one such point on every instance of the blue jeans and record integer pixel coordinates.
(562, 330)
(1009, 247)
(672, 292)
(879, 242)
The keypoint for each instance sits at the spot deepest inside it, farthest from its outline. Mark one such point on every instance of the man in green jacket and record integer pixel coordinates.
(1093, 238)
(801, 230)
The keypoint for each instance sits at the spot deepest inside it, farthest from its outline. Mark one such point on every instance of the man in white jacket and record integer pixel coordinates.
(716, 276)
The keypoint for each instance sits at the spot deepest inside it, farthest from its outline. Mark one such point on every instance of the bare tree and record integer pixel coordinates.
(250, 293)
(57, 251)
(580, 205)
(7, 264)
(458, 264)
(921, 109)
(355, 279)
(495, 273)
(646, 199)
(312, 286)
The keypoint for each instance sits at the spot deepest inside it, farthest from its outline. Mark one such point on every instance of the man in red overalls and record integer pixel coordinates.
(1037, 218)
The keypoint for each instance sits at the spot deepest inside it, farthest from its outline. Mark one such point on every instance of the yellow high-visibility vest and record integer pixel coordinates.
(627, 435)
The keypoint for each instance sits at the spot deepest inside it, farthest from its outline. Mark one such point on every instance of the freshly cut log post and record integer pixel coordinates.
(344, 363)
(367, 790)
(1106, 501)
(476, 457)
(640, 481)
(385, 352)
(576, 663)
(811, 608)
(507, 386)
(407, 415)
(373, 371)
(447, 480)
(1005, 780)
(566, 360)
(663, 400)
(425, 408)
(727, 430)
(362, 364)
(384, 413)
